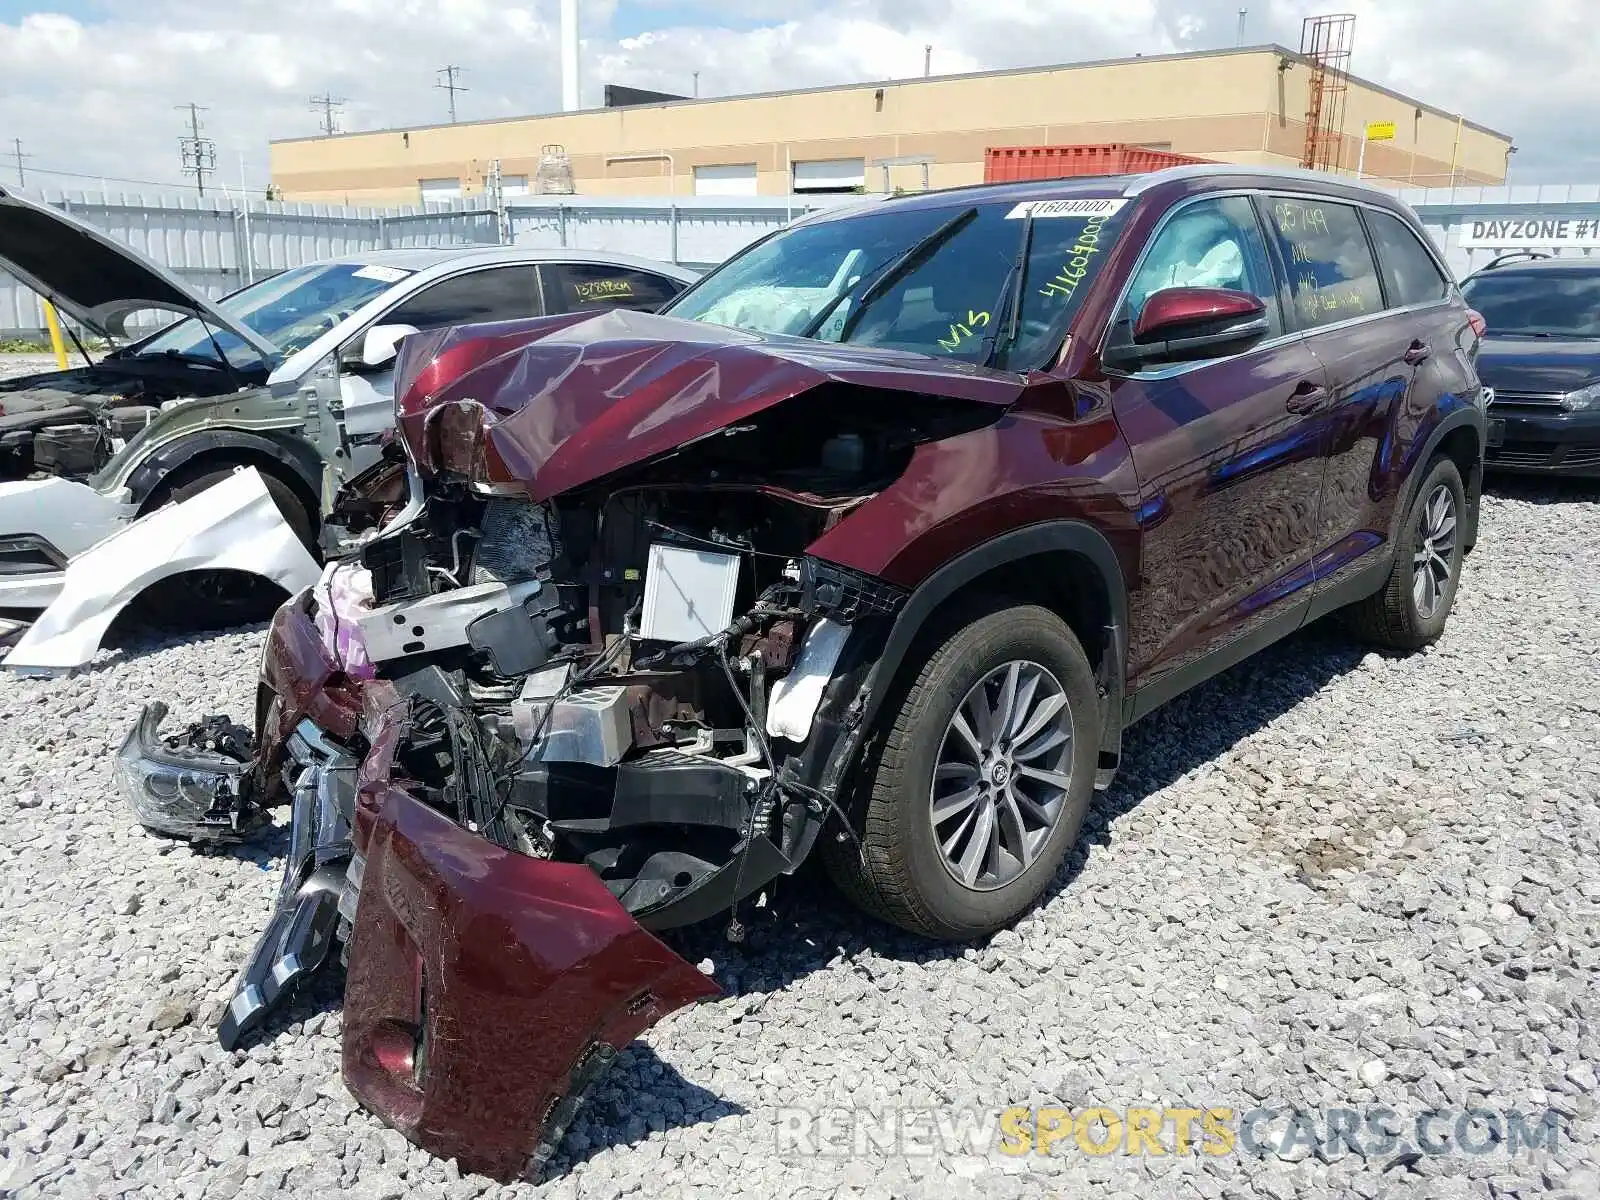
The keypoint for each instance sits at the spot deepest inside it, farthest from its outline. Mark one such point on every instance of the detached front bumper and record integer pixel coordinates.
(488, 992)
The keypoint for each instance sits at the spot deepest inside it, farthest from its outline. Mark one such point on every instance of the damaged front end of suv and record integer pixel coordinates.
(589, 680)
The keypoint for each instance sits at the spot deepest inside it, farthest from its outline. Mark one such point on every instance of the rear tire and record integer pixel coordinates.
(933, 790)
(1410, 610)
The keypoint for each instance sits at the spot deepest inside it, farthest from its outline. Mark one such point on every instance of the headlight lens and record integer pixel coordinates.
(1584, 398)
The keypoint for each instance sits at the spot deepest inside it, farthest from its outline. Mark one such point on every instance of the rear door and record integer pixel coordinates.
(1230, 471)
(1371, 342)
(590, 287)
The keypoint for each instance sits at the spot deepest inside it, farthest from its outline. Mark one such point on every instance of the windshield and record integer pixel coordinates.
(949, 299)
(1562, 304)
(291, 310)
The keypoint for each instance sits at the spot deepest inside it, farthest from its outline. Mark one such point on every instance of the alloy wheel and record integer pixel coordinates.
(1002, 775)
(1436, 543)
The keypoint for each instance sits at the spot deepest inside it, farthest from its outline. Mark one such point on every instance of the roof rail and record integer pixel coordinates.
(1511, 256)
(1143, 183)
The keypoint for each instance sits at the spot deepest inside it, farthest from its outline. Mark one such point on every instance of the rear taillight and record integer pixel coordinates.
(1475, 319)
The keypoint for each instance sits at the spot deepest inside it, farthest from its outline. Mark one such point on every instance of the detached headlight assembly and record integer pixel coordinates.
(1583, 398)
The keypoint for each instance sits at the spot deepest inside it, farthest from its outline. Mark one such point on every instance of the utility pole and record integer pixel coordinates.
(16, 143)
(328, 105)
(1244, 15)
(448, 83)
(927, 61)
(198, 154)
(697, 85)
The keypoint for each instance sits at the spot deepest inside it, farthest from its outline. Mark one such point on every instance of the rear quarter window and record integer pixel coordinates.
(1331, 269)
(1409, 271)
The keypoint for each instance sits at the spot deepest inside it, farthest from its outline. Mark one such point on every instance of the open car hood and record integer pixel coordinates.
(94, 279)
(550, 404)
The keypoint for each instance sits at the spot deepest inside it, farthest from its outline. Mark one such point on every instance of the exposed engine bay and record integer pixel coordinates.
(72, 423)
(621, 677)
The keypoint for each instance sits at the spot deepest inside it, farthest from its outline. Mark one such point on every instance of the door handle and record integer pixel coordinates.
(1307, 397)
(1417, 352)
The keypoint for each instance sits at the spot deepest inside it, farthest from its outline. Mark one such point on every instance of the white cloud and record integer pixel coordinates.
(98, 95)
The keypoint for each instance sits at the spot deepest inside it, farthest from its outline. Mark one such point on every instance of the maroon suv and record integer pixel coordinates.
(873, 542)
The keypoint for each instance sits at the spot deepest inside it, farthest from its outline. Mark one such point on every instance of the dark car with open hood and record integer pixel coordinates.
(1541, 359)
(872, 544)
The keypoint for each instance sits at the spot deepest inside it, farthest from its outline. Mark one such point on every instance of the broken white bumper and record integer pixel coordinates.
(234, 526)
(44, 523)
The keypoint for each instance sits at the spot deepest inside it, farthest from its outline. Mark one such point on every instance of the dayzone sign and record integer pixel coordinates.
(1537, 233)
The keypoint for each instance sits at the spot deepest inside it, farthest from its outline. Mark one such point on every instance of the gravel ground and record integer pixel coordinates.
(12, 365)
(1327, 879)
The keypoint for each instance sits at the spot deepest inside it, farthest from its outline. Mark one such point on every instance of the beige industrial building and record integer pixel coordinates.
(1248, 105)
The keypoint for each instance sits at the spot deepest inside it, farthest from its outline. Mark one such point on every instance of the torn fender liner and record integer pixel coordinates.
(488, 990)
(234, 526)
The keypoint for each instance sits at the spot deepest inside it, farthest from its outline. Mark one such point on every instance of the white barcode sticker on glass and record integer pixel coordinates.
(1088, 206)
(381, 274)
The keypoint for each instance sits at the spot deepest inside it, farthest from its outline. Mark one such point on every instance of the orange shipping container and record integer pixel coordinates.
(1005, 164)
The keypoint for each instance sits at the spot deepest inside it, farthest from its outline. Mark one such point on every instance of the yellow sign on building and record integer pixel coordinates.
(1380, 131)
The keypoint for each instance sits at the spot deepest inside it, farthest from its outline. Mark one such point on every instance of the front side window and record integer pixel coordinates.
(291, 310)
(1208, 243)
(1545, 303)
(495, 294)
(1409, 271)
(935, 280)
(1331, 270)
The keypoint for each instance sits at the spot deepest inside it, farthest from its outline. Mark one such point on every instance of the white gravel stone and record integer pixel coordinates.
(1326, 862)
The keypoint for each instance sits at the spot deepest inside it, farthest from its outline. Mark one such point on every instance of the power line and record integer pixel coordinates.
(449, 84)
(16, 143)
(328, 105)
(197, 154)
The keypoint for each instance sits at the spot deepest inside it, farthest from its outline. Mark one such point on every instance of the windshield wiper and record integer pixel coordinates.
(1008, 306)
(887, 275)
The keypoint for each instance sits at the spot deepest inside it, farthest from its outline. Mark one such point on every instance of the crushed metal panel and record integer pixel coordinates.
(234, 526)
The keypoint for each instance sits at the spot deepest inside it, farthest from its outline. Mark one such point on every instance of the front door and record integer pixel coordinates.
(1230, 468)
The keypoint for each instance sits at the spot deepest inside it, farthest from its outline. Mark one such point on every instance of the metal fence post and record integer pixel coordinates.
(383, 233)
(561, 223)
(674, 235)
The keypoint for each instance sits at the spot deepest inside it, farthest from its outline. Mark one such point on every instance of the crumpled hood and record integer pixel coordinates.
(550, 404)
(94, 279)
(1539, 365)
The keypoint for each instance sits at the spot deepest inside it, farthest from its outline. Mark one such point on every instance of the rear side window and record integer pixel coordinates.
(1331, 269)
(582, 287)
(496, 294)
(1409, 271)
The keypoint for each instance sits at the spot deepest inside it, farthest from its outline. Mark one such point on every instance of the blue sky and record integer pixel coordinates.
(90, 85)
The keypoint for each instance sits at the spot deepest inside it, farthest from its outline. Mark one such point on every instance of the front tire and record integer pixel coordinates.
(1410, 610)
(982, 781)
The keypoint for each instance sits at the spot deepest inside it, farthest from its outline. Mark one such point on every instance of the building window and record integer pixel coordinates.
(510, 185)
(437, 190)
(831, 175)
(733, 179)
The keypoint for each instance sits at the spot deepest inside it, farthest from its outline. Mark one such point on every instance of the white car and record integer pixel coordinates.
(291, 376)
